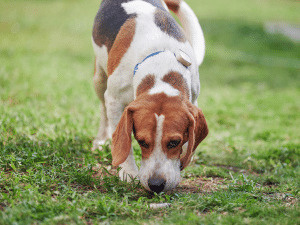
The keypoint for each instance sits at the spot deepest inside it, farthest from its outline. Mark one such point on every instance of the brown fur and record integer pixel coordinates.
(198, 130)
(182, 120)
(177, 81)
(145, 129)
(146, 84)
(173, 5)
(121, 140)
(121, 45)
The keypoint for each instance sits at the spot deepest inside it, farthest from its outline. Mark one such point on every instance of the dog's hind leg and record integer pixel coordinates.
(100, 85)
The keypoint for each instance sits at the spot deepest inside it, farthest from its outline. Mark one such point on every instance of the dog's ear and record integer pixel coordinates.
(121, 139)
(197, 130)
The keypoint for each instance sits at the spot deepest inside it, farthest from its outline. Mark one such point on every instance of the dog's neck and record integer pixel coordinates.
(158, 71)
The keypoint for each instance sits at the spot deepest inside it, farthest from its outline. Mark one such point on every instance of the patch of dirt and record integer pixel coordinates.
(287, 198)
(201, 185)
(101, 169)
(2, 206)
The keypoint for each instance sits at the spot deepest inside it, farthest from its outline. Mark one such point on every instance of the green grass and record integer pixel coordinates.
(245, 172)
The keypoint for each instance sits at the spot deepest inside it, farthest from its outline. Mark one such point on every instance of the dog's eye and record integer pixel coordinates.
(173, 144)
(143, 144)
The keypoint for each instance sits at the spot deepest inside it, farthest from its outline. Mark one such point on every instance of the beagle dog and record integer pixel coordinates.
(146, 75)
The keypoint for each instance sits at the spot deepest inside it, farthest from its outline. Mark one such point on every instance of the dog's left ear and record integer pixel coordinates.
(198, 130)
(121, 139)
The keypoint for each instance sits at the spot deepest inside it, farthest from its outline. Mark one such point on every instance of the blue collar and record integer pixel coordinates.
(149, 56)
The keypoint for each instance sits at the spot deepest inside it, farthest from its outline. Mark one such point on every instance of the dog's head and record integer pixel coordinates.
(168, 130)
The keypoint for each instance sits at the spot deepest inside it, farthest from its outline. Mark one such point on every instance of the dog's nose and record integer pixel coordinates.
(156, 184)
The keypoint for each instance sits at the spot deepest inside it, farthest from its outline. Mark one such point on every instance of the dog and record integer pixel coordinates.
(146, 75)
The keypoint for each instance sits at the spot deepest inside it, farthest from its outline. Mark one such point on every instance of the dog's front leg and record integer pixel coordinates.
(116, 99)
(129, 170)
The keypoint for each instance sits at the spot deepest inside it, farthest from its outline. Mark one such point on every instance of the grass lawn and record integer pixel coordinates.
(245, 172)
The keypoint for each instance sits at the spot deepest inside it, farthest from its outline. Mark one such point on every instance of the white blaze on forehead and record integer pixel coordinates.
(159, 132)
(158, 163)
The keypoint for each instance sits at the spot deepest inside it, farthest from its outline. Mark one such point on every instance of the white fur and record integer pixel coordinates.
(101, 56)
(165, 5)
(159, 164)
(163, 87)
(140, 7)
(184, 150)
(129, 170)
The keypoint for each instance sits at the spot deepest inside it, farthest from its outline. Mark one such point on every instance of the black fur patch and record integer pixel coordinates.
(108, 21)
(168, 25)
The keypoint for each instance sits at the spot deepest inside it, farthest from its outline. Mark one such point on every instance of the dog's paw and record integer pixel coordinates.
(128, 176)
(98, 144)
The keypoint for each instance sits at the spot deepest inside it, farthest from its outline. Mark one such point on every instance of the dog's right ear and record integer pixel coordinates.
(198, 130)
(121, 139)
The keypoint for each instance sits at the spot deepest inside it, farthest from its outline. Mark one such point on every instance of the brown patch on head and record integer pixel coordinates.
(177, 81)
(145, 124)
(175, 130)
(183, 122)
(144, 130)
(197, 130)
(146, 84)
(168, 25)
(121, 45)
(121, 138)
(137, 117)
(173, 5)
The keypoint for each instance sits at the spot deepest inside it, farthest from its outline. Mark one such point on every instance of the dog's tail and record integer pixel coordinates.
(190, 25)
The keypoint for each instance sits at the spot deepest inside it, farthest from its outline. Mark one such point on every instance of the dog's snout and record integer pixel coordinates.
(156, 184)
